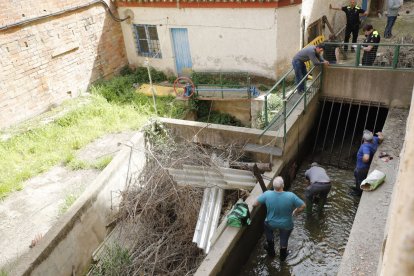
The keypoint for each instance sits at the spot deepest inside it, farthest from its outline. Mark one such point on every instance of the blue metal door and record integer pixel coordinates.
(181, 49)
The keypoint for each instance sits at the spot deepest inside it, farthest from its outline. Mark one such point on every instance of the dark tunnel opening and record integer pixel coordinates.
(337, 132)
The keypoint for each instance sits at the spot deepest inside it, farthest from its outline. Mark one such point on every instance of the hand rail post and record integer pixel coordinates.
(284, 109)
(396, 56)
(265, 111)
(358, 55)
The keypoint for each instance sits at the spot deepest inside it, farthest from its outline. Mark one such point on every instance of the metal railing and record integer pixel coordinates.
(214, 85)
(291, 99)
(381, 55)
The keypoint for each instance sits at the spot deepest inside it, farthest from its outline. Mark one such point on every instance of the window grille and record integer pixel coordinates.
(147, 42)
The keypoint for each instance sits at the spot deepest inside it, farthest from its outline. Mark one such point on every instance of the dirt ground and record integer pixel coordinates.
(28, 214)
(403, 26)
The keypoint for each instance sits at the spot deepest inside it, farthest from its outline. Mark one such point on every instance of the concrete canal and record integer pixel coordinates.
(318, 240)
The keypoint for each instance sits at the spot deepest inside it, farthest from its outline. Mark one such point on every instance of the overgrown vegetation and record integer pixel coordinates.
(205, 114)
(219, 78)
(274, 105)
(115, 261)
(157, 216)
(76, 164)
(113, 106)
(70, 198)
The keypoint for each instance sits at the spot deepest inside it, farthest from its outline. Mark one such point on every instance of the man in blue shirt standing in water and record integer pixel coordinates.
(364, 158)
(281, 207)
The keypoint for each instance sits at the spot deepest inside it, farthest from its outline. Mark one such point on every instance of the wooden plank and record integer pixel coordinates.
(275, 151)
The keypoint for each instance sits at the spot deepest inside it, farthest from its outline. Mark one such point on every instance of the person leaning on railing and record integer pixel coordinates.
(312, 53)
(370, 51)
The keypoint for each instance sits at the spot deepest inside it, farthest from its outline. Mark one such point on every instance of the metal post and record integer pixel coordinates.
(221, 86)
(327, 125)
(358, 55)
(396, 56)
(336, 128)
(343, 137)
(376, 117)
(248, 86)
(284, 110)
(152, 87)
(366, 116)
(353, 133)
(265, 111)
(319, 125)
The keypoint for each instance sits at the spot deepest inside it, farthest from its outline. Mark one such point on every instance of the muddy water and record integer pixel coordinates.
(318, 240)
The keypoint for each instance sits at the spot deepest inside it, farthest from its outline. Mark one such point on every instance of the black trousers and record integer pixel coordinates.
(348, 31)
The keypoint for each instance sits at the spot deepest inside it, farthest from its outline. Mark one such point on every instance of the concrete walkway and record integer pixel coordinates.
(365, 244)
(26, 215)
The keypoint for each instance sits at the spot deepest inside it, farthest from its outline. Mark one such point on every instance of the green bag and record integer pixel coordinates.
(239, 216)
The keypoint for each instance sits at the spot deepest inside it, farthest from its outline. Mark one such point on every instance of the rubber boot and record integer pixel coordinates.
(283, 254)
(270, 248)
(309, 205)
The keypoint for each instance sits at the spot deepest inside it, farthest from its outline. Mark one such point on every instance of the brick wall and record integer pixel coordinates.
(51, 60)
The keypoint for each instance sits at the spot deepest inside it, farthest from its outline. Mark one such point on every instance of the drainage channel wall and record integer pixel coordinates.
(390, 87)
(67, 247)
(233, 246)
(366, 240)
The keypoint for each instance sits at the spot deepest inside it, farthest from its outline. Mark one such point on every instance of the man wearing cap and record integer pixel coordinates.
(319, 185)
(312, 53)
(364, 158)
(370, 51)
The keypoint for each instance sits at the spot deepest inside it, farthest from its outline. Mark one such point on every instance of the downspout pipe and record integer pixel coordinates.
(32, 20)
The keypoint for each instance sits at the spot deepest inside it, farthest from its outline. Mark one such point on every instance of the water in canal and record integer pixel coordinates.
(318, 240)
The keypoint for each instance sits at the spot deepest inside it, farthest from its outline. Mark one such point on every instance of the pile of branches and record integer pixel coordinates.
(164, 214)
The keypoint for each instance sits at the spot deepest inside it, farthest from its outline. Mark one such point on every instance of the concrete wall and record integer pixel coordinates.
(67, 247)
(221, 39)
(398, 246)
(392, 88)
(221, 260)
(312, 10)
(366, 238)
(48, 61)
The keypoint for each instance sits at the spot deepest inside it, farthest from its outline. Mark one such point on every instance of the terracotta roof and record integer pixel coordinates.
(201, 1)
(207, 3)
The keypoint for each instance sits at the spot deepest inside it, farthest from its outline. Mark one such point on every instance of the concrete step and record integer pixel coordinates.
(272, 150)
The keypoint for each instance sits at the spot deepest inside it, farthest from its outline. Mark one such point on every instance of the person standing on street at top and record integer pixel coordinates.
(364, 158)
(312, 53)
(319, 185)
(352, 12)
(392, 13)
(281, 206)
(370, 51)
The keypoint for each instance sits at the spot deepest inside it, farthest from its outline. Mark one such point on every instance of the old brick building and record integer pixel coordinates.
(61, 47)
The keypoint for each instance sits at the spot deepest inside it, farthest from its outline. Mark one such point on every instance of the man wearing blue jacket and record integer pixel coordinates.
(364, 158)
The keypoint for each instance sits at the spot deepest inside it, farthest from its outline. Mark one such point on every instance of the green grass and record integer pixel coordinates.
(113, 107)
(76, 164)
(69, 200)
(115, 261)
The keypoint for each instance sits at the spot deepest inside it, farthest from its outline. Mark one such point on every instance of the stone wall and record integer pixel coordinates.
(53, 59)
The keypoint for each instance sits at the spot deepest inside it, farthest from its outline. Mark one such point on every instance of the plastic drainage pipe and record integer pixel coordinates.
(208, 218)
(216, 215)
(201, 216)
